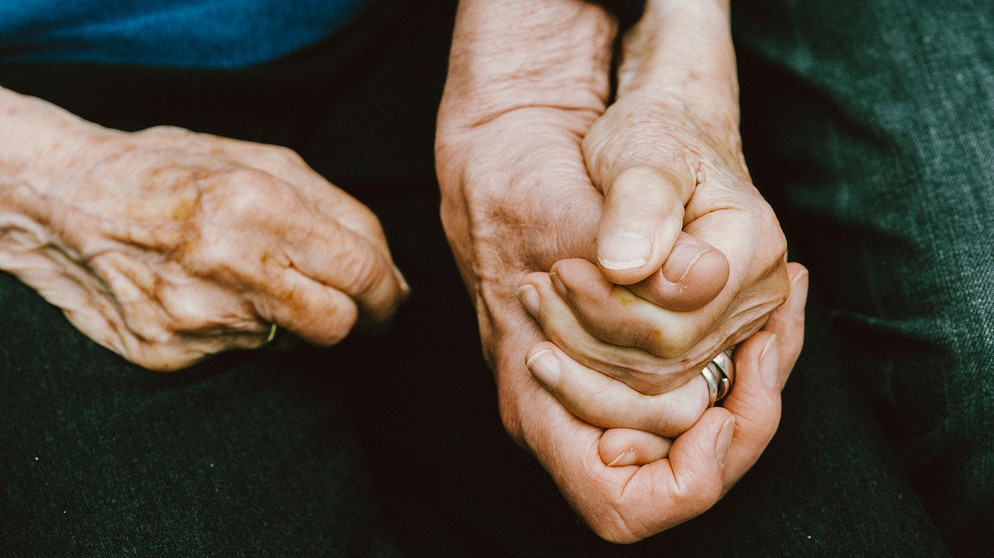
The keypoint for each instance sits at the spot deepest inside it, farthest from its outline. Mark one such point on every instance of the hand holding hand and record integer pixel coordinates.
(517, 198)
(641, 427)
(690, 257)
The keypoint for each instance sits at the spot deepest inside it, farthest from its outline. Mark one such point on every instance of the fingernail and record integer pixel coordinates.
(528, 296)
(681, 260)
(799, 283)
(724, 440)
(626, 457)
(769, 363)
(405, 288)
(545, 366)
(624, 250)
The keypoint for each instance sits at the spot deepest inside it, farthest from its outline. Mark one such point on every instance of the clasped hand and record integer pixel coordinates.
(610, 253)
(605, 401)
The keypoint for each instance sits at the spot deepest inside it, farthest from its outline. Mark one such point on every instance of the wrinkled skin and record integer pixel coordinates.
(629, 331)
(535, 179)
(168, 246)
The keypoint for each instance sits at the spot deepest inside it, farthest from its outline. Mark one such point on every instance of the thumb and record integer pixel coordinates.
(642, 219)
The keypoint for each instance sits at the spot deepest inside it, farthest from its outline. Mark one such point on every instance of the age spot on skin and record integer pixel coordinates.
(184, 209)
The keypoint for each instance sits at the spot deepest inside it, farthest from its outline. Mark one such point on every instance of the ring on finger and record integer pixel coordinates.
(719, 375)
(273, 328)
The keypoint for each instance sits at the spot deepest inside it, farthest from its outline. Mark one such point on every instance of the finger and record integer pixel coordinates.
(619, 447)
(621, 504)
(286, 165)
(638, 501)
(327, 199)
(692, 275)
(340, 207)
(758, 412)
(745, 230)
(643, 216)
(344, 261)
(763, 364)
(639, 369)
(787, 321)
(311, 310)
(615, 315)
(608, 403)
(627, 320)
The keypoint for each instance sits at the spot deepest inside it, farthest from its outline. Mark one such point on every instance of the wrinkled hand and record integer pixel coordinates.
(664, 482)
(641, 427)
(167, 246)
(667, 156)
(517, 198)
(531, 156)
(671, 186)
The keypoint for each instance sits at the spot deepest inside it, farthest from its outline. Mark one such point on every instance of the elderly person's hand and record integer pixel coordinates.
(527, 80)
(667, 156)
(167, 246)
(641, 427)
(647, 483)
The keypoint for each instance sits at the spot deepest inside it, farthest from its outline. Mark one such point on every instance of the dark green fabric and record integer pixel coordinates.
(104, 459)
(873, 126)
(388, 444)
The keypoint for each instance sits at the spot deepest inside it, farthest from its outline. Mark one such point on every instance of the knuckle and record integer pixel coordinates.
(278, 156)
(246, 194)
(672, 420)
(670, 343)
(366, 270)
(336, 327)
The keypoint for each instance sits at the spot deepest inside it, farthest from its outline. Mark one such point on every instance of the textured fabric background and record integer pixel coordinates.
(873, 125)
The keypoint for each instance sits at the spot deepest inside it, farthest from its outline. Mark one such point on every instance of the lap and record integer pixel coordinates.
(870, 127)
(103, 458)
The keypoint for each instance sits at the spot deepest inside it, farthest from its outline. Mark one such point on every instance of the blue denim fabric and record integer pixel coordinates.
(872, 126)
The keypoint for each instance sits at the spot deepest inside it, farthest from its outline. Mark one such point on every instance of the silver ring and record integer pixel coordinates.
(719, 375)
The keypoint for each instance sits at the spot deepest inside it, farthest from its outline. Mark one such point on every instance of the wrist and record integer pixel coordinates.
(41, 150)
(681, 52)
(41, 145)
(525, 53)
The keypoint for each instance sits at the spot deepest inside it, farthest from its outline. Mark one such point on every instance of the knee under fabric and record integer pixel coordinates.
(869, 128)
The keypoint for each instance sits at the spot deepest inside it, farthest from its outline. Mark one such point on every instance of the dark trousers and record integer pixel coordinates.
(392, 444)
(872, 126)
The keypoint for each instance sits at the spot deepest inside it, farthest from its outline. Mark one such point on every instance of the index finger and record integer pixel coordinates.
(630, 503)
(343, 260)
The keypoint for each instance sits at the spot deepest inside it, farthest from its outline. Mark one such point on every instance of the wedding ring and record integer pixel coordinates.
(269, 338)
(719, 375)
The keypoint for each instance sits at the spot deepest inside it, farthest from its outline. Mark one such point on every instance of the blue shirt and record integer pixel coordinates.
(191, 33)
